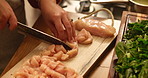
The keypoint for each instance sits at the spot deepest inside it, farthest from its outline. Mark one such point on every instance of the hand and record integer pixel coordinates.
(7, 15)
(57, 20)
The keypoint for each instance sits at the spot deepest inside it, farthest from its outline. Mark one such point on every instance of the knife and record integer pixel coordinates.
(41, 35)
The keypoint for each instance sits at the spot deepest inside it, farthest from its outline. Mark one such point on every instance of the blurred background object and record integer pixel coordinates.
(140, 6)
(88, 6)
(84, 7)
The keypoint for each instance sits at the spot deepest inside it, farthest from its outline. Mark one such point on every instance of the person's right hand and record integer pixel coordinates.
(7, 16)
(57, 19)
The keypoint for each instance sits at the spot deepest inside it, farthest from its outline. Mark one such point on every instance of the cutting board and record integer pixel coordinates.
(86, 57)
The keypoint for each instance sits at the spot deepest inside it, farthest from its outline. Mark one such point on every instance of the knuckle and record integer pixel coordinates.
(57, 15)
(63, 13)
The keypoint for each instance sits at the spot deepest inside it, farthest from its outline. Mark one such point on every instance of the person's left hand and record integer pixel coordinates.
(57, 20)
(7, 16)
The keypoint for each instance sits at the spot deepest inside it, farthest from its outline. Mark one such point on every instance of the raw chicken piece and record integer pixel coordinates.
(72, 52)
(48, 67)
(61, 69)
(72, 45)
(53, 73)
(43, 67)
(34, 61)
(47, 53)
(52, 64)
(95, 27)
(51, 48)
(84, 37)
(64, 57)
(21, 75)
(24, 72)
(70, 73)
(60, 48)
(27, 63)
(58, 55)
(48, 58)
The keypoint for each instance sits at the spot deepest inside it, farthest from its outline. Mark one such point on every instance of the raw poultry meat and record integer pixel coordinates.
(95, 27)
(48, 64)
(59, 52)
(84, 37)
(45, 67)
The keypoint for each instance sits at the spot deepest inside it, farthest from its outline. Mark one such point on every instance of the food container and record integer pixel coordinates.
(140, 6)
(127, 17)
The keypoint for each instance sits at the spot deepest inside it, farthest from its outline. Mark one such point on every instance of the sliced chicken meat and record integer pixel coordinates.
(48, 64)
(84, 37)
(59, 52)
(48, 68)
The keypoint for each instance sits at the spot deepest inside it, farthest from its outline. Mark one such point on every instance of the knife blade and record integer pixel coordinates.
(41, 35)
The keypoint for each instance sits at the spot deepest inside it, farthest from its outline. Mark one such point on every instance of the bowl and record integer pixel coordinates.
(140, 6)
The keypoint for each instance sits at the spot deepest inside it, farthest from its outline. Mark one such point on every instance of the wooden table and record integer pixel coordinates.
(99, 70)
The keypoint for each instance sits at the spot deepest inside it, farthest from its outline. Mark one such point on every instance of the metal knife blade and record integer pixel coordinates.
(41, 35)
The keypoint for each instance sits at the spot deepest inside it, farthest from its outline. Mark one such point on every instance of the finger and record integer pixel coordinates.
(60, 29)
(53, 29)
(12, 21)
(68, 27)
(73, 30)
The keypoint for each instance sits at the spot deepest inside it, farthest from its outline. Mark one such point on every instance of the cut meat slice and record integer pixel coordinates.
(34, 61)
(58, 55)
(51, 48)
(64, 57)
(84, 37)
(47, 53)
(21, 75)
(52, 64)
(72, 52)
(69, 72)
(61, 69)
(53, 73)
(72, 45)
(48, 68)
(60, 48)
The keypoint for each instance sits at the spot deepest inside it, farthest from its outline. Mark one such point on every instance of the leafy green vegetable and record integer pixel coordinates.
(133, 52)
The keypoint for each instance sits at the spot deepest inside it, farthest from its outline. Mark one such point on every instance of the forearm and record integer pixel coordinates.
(35, 3)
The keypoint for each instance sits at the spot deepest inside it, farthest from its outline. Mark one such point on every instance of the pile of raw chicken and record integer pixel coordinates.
(49, 63)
